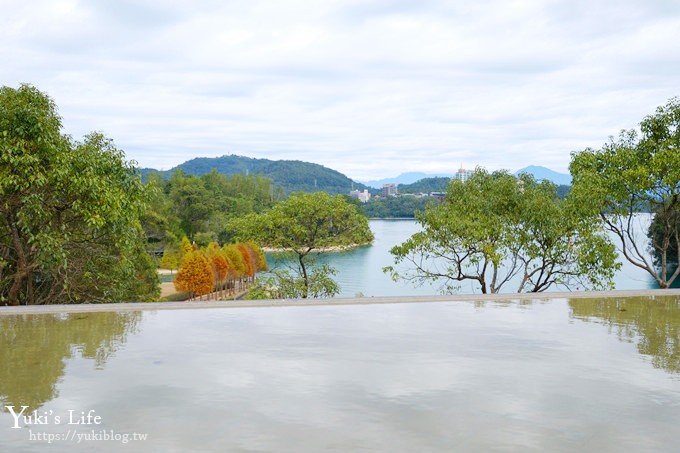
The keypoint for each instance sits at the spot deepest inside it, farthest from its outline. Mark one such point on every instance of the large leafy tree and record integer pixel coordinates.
(637, 172)
(303, 224)
(69, 211)
(496, 230)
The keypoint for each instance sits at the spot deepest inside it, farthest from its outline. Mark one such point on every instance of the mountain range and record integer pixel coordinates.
(295, 175)
(561, 179)
(405, 178)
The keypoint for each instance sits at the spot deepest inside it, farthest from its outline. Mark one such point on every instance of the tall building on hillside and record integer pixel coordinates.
(462, 174)
(389, 190)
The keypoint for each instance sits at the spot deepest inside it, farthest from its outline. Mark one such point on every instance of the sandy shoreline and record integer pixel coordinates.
(335, 248)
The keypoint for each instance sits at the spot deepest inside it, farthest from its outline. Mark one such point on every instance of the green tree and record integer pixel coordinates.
(185, 247)
(170, 260)
(402, 206)
(161, 225)
(657, 230)
(192, 203)
(426, 185)
(286, 283)
(637, 172)
(302, 224)
(495, 229)
(69, 211)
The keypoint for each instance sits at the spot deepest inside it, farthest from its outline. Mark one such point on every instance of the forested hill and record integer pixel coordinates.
(426, 185)
(290, 175)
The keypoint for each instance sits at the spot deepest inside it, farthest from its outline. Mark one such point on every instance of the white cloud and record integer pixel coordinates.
(370, 88)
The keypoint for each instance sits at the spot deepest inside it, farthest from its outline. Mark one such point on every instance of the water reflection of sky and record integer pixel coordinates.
(404, 377)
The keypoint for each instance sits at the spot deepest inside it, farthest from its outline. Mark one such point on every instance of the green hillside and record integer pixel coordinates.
(290, 175)
(426, 185)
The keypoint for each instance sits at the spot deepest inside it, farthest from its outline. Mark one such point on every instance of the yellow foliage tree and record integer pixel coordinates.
(170, 260)
(219, 263)
(185, 247)
(195, 275)
(249, 261)
(237, 269)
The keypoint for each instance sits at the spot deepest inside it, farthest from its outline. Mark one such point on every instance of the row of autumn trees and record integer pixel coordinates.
(223, 271)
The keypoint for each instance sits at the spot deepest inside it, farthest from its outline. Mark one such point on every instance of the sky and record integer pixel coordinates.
(371, 88)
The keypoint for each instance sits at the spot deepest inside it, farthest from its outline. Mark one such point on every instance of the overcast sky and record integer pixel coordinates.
(371, 88)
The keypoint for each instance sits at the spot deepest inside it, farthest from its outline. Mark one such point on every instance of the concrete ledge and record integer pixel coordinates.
(136, 306)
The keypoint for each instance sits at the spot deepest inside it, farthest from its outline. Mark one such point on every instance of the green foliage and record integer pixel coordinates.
(426, 185)
(563, 191)
(495, 229)
(662, 222)
(637, 172)
(304, 223)
(69, 211)
(260, 292)
(288, 284)
(170, 260)
(403, 206)
(199, 207)
(161, 226)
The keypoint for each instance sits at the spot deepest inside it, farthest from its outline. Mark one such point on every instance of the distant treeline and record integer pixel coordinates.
(407, 204)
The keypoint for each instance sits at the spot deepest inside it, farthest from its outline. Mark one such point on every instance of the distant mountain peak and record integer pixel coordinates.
(539, 172)
(405, 178)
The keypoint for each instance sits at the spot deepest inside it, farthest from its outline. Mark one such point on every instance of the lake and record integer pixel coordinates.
(360, 270)
(521, 375)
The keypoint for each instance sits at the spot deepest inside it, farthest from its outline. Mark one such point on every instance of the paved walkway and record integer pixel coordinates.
(134, 306)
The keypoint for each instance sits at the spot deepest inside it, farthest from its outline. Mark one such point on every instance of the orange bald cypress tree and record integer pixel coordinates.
(249, 261)
(195, 275)
(260, 256)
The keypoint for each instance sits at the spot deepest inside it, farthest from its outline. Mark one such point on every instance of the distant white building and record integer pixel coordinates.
(389, 190)
(361, 196)
(462, 174)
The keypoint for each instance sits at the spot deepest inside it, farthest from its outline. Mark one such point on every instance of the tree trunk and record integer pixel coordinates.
(304, 275)
(22, 266)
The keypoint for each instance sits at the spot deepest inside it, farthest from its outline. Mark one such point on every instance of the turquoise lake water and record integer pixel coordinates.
(360, 270)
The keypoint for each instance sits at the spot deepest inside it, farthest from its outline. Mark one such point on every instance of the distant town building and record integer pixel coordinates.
(462, 174)
(361, 196)
(389, 190)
